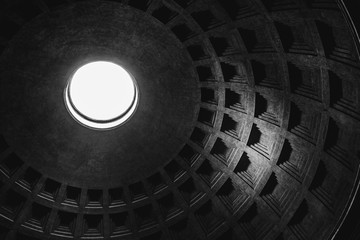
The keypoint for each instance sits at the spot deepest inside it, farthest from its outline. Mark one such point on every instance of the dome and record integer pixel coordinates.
(242, 120)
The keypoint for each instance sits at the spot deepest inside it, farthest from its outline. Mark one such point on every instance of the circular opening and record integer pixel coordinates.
(101, 95)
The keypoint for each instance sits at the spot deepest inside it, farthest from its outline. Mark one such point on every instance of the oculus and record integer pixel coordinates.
(101, 95)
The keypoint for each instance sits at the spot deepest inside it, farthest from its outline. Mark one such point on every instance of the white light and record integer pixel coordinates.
(101, 95)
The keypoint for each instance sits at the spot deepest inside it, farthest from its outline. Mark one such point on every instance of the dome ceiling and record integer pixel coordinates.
(49, 139)
(247, 125)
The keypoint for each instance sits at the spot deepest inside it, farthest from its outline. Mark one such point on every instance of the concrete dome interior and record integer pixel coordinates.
(247, 125)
